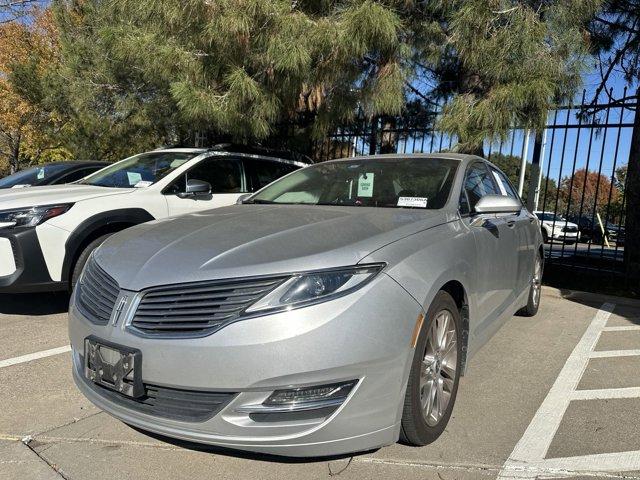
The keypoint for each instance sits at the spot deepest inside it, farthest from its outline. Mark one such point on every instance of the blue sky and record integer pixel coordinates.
(569, 149)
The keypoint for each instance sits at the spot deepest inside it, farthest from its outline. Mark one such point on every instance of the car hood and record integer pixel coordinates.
(250, 240)
(53, 194)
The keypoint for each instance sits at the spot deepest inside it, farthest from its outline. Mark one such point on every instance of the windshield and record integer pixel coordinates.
(389, 183)
(139, 171)
(32, 176)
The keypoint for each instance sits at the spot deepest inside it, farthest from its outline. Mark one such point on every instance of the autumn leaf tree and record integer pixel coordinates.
(26, 129)
(588, 193)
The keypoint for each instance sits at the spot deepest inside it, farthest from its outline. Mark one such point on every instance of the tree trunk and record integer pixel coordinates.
(14, 155)
(632, 222)
(389, 140)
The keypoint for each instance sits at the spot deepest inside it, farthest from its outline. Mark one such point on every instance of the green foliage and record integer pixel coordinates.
(138, 73)
(508, 62)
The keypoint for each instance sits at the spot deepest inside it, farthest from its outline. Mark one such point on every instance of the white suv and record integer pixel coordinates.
(555, 227)
(47, 233)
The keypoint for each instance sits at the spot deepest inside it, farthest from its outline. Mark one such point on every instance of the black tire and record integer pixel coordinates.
(533, 301)
(414, 427)
(83, 257)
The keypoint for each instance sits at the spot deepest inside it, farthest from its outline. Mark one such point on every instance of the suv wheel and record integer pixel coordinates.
(84, 256)
(435, 374)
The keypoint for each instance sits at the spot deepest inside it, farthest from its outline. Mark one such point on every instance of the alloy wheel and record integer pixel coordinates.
(438, 368)
(536, 281)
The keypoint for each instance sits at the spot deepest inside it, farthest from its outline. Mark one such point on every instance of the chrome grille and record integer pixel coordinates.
(198, 308)
(97, 293)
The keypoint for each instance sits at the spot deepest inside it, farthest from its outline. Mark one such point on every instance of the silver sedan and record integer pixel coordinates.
(333, 311)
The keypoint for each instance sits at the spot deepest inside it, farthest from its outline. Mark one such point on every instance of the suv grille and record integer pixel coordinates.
(198, 309)
(570, 229)
(97, 293)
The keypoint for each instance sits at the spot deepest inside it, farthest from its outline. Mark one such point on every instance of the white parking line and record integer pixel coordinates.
(624, 328)
(615, 353)
(34, 356)
(532, 448)
(606, 393)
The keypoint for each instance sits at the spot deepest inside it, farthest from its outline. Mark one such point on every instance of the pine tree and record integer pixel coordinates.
(258, 70)
(505, 63)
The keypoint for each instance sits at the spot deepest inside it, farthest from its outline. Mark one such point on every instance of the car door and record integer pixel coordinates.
(227, 179)
(522, 223)
(496, 247)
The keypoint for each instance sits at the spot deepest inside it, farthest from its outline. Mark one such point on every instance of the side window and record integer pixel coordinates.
(224, 175)
(478, 183)
(263, 172)
(504, 184)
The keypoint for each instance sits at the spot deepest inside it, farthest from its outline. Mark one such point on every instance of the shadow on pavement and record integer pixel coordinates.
(34, 303)
(626, 308)
(229, 452)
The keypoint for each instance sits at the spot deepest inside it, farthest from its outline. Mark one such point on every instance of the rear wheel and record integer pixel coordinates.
(535, 290)
(435, 374)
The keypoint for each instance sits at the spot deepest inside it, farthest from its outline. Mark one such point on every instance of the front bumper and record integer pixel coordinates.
(566, 236)
(363, 336)
(22, 264)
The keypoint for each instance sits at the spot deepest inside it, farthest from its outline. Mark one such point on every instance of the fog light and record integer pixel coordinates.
(332, 394)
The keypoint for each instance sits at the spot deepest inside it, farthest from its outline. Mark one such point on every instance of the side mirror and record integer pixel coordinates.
(242, 198)
(196, 187)
(497, 204)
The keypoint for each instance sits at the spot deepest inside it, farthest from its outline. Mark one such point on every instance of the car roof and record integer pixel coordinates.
(461, 157)
(245, 150)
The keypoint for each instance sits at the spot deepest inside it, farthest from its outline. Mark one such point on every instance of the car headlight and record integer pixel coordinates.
(32, 216)
(308, 288)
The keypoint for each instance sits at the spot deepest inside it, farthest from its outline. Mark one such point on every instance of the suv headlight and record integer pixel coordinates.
(308, 288)
(32, 216)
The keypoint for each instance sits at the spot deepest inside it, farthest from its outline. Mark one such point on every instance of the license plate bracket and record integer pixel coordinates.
(113, 366)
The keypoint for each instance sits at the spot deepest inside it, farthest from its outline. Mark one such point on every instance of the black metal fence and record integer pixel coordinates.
(572, 174)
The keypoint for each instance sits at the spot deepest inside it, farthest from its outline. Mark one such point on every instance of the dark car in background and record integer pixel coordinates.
(55, 173)
(590, 230)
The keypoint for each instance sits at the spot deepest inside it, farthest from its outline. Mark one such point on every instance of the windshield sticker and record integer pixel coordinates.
(40, 174)
(134, 177)
(365, 185)
(416, 202)
(142, 184)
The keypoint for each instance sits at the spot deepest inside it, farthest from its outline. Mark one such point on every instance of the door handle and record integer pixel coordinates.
(511, 223)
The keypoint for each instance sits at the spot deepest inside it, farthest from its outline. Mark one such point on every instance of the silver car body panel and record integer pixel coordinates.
(365, 335)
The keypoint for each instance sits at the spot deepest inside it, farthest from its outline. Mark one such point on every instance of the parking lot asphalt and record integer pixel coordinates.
(557, 395)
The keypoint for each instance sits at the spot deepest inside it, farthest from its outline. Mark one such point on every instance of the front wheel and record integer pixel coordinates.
(435, 373)
(535, 290)
(83, 257)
